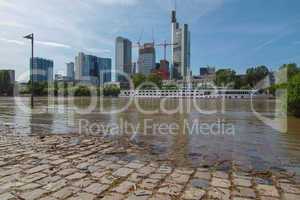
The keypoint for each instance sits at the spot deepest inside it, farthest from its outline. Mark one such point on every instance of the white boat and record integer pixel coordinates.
(189, 93)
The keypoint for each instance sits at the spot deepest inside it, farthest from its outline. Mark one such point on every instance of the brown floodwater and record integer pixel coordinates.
(185, 137)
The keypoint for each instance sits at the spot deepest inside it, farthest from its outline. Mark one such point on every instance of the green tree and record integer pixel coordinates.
(240, 82)
(292, 69)
(138, 79)
(111, 91)
(256, 74)
(56, 88)
(6, 87)
(294, 95)
(225, 77)
(39, 88)
(156, 79)
(82, 91)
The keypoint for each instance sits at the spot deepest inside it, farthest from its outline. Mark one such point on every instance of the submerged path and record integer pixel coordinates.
(78, 168)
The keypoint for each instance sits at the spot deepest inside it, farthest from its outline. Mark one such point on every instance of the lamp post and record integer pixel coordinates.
(31, 37)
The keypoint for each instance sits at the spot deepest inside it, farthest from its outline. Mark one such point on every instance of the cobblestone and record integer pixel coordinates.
(87, 170)
(267, 190)
(96, 188)
(124, 187)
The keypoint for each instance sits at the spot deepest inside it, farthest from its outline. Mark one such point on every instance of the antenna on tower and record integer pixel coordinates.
(153, 35)
(174, 20)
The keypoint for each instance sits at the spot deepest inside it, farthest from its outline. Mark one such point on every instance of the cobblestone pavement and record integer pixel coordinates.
(72, 168)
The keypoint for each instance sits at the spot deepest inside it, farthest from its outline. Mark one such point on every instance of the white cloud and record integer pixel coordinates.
(50, 44)
(97, 50)
(54, 44)
(68, 26)
(118, 2)
(17, 42)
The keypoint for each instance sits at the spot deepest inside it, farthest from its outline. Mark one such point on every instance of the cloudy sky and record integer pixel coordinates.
(225, 33)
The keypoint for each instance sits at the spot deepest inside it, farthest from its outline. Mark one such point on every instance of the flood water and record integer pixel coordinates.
(237, 133)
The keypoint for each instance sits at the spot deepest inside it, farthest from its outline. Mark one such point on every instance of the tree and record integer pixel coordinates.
(156, 79)
(56, 88)
(225, 77)
(240, 82)
(138, 79)
(39, 88)
(111, 90)
(256, 74)
(6, 87)
(294, 95)
(292, 69)
(82, 91)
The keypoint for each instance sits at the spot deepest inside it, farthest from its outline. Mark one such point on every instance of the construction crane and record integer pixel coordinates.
(165, 45)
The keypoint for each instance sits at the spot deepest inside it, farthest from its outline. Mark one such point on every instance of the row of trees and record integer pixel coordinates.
(229, 77)
(140, 80)
(289, 78)
(43, 89)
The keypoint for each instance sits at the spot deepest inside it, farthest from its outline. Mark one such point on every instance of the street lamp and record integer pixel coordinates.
(31, 37)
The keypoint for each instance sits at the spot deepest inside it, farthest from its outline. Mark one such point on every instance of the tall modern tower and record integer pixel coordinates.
(92, 70)
(123, 57)
(42, 69)
(181, 51)
(147, 59)
(70, 71)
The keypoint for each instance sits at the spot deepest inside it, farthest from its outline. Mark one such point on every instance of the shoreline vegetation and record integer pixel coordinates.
(287, 78)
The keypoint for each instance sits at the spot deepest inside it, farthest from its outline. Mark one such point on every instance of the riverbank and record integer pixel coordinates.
(77, 167)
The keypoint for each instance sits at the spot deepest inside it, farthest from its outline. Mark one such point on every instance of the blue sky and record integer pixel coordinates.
(225, 33)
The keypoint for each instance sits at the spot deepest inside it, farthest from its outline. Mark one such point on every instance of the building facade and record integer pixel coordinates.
(7, 82)
(147, 59)
(162, 69)
(181, 49)
(204, 71)
(71, 71)
(42, 70)
(123, 58)
(90, 69)
(105, 70)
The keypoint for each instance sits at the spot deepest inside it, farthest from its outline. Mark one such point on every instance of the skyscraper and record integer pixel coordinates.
(123, 57)
(70, 71)
(89, 69)
(42, 69)
(104, 65)
(147, 59)
(181, 52)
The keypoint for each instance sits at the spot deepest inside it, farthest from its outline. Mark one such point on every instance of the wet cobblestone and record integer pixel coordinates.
(56, 168)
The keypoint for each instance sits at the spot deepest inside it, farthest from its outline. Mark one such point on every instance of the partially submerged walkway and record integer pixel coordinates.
(68, 167)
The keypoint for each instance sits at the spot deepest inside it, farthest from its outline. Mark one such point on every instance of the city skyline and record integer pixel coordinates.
(224, 33)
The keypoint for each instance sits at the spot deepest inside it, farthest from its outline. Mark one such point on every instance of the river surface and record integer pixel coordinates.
(186, 137)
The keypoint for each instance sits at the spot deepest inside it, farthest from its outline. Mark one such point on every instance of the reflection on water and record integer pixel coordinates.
(254, 144)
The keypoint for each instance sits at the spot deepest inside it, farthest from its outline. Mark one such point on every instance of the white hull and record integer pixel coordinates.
(199, 94)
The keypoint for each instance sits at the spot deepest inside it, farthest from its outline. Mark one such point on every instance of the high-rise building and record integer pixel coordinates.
(162, 69)
(70, 71)
(147, 59)
(104, 65)
(90, 69)
(42, 69)
(207, 71)
(123, 58)
(181, 50)
(134, 68)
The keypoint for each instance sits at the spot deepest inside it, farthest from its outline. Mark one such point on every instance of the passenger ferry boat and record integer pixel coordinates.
(201, 94)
